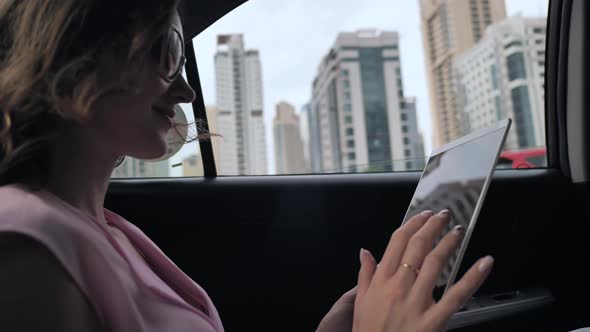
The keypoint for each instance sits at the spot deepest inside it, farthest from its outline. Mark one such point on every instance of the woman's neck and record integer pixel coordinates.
(80, 173)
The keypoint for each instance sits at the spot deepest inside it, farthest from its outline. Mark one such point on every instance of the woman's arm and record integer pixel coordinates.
(36, 292)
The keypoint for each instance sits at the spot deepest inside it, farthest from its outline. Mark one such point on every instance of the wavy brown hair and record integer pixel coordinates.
(49, 52)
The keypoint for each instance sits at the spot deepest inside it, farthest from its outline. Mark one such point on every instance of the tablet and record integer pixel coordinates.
(456, 177)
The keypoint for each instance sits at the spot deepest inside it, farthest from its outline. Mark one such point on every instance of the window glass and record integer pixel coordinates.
(374, 89)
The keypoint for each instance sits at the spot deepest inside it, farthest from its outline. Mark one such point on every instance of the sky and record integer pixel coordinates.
(293, 36)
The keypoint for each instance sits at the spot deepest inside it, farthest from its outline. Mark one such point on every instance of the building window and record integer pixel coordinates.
(522, 117)
(409, 165)
(494, 73)
(346, 84)
(404, 129)
(349, 131)
(515, 64)
(406, 141)
(539, 30)
(351, 156)
(404, 117)
(347, 96)
(350, 143)
(513, 43)
(407, 153)
(348, 119)
(347, 108)
(344, 72)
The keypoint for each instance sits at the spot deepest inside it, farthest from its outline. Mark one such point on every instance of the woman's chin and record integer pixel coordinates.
(155, 152)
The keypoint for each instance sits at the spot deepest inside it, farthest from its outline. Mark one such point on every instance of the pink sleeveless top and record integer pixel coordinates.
(128, 295)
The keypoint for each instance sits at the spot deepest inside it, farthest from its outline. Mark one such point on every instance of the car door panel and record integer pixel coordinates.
(283, 249)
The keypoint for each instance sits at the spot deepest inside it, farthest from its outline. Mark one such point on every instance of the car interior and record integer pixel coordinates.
(275, 252)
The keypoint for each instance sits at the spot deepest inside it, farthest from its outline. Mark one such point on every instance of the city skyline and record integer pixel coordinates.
(274, 58)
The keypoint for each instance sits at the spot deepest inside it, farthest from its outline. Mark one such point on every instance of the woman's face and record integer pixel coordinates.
(135, 123)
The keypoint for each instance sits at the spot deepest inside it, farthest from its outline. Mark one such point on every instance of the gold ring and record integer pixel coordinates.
(411, 267)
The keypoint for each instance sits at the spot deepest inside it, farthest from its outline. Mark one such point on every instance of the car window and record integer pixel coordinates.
(341, 86)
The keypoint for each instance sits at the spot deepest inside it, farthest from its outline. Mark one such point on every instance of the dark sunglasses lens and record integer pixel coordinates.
(173, 57)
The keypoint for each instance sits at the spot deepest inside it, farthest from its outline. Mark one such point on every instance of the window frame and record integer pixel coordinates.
(199, 110)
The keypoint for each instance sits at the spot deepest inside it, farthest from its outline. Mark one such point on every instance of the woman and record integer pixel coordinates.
(83, 83)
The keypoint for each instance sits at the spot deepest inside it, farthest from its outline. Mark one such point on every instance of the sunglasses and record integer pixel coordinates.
(168, 51)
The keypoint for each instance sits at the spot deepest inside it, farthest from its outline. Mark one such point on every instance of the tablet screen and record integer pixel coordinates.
(455, 179)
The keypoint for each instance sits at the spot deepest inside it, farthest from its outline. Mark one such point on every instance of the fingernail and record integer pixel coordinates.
(361, 255)
(444, 213)
(427, 213)
(486, 264)
(459, 230)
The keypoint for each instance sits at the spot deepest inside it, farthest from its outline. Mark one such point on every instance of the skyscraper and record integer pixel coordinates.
(414, 157)
(449, 28)
(504, 76)
(289, 157)
(358, 103)
(305, 135)
(315, 149)
(238, 81)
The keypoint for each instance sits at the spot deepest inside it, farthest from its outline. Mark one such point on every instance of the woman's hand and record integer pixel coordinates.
(396, 296)
(339, 318)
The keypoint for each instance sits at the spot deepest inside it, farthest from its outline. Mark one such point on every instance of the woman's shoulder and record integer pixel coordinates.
(27, 210)
(67, 232)
(21, 206)
(62, 237)
(25, 293)
(35, 238)
(72, 237)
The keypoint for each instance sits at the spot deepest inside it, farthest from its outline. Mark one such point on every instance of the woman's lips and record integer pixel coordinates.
(167, 112)
(167, 115)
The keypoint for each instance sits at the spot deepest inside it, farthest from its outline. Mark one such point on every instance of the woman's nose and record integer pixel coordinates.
(181, 91)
